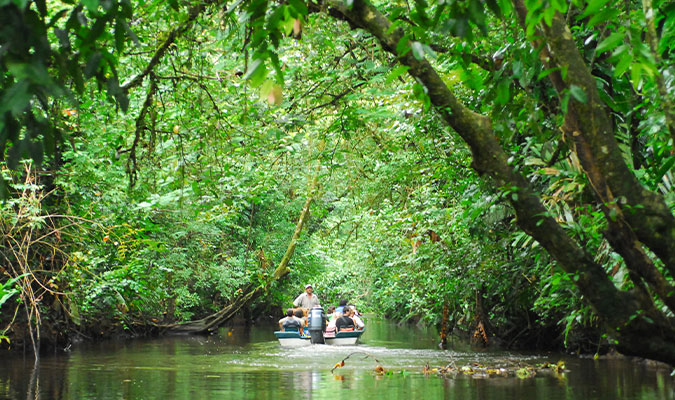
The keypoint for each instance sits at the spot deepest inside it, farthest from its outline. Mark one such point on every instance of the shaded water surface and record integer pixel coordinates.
(242, 363)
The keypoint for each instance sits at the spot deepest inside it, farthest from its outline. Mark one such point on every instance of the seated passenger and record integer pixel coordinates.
(358, 322)
(301, 314)
(340, 308)
(330, 313)
(290, 323)
(345, 323)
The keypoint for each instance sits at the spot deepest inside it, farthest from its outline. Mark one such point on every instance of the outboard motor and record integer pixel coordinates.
(317, 325)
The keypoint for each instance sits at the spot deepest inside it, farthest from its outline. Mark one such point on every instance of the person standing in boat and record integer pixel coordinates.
(307, 299)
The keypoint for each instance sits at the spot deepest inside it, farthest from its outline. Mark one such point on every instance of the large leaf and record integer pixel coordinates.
(256, 72)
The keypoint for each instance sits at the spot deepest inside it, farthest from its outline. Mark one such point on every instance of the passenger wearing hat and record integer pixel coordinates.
(307, 299)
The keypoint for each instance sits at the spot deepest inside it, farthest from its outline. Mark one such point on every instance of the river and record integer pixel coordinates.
(247, 363)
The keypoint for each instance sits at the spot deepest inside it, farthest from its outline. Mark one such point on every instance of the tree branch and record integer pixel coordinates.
(587, 128)
(193, 13)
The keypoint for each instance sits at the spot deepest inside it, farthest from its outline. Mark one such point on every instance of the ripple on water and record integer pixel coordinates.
(323, 357)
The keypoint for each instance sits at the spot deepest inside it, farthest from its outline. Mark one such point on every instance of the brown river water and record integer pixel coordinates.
(248, 363)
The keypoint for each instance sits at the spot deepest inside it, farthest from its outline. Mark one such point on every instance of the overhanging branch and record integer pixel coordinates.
(176, 33)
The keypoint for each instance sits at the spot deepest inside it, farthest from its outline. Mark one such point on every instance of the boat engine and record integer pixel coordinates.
(317, 325)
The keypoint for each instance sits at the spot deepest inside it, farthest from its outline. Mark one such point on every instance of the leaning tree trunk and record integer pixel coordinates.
(640, 328)
(621, 233)
(588, 129)
(212, 322)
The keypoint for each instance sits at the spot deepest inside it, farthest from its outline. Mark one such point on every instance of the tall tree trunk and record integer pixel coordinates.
(631, 315)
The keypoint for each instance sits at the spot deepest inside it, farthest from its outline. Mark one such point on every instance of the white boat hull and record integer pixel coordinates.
(294, 342)
(342, 341)
(293, 339)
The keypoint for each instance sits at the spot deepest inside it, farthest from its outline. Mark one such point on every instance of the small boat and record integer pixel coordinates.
(294, 339)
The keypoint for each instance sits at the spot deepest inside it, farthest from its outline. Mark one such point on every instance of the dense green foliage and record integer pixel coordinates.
(172, 144)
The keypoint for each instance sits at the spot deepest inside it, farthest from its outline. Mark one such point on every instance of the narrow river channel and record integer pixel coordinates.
(247, 363)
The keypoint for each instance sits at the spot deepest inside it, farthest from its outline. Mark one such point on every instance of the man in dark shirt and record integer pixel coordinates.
(345, 321)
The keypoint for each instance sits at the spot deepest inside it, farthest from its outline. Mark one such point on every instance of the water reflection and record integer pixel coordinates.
(244, 363)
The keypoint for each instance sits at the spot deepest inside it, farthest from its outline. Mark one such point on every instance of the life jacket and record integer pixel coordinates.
(344, 323)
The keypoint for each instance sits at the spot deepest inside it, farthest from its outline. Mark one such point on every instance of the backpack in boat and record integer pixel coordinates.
(291, 324)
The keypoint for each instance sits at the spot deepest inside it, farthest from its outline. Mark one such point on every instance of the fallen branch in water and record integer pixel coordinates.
(379, 369)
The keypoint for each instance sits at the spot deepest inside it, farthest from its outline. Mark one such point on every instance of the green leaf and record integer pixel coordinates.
(35, 72)
(549, 13)
(92, 5)
(7, 295)
(256, 72)
(565, 102)
(274, 60)
(607, 14)
(120, 35)
(403, 46)
(503, 92)
(75, 73)
(266, 88)
(610, 42)
(494, 7)
(578, 94)
(131, 33)
(593, 7)
(16, 98)
(667, 166)
(624, 63)
(394, 74)
(543, 74)
(96, 31)
(419, 14)
(20, 3)
(418, 50)
(477, 14)
(126, 9)
(559, 5)
(276, 18)
(636, 74)
(299, 6)
(115, 91)
(92, 65)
